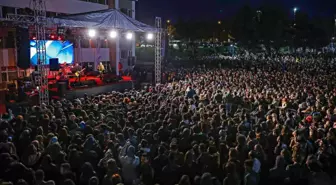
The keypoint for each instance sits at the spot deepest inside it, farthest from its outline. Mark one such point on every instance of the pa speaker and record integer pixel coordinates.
(62, 88)
(54, 64)
(23, 50)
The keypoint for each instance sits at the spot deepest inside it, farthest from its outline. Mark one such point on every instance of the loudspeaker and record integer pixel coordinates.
(110, 77)
(85, 83)
(23, 50)
(62, 88)
(54, 64)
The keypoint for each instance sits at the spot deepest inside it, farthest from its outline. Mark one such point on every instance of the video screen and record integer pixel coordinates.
(63, 50)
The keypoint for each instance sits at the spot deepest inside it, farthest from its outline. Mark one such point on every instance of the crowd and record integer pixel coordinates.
(244, 121)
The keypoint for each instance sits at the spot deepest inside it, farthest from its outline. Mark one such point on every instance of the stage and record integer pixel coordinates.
(80, 92)
(77, 92)
(90, 85)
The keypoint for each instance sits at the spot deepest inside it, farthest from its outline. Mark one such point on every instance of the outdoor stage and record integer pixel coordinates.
(90, 85)
(75, 92)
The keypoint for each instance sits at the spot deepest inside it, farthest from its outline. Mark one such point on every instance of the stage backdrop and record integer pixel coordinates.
(63, 50)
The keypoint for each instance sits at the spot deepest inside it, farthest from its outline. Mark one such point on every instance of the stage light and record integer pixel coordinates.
(92, 33)
(52, 36)
(129, 36)
(150, 36)
(60, 38)
(113, 34)
(60, 30)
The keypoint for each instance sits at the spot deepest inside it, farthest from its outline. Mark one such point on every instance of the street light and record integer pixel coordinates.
(168, 21)
(295, 10)
(219, 22)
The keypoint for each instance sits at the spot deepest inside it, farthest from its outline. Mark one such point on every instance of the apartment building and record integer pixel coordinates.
(8, 57)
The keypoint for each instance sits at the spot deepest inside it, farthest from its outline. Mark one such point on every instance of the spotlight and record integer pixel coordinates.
(92, 33)
(52, 36)
(150, 36)
(60, 38)
(113, 34)
(129, 36)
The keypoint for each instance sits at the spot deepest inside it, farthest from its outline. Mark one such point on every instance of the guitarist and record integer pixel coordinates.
(78, 71)
(101, 69)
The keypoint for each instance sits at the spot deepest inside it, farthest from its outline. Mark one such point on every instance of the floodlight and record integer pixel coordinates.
(92, 33)
(113, 34)
(129, 36)
(150, 36)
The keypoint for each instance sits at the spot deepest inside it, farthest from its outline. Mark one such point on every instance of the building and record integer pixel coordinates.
(110, 52)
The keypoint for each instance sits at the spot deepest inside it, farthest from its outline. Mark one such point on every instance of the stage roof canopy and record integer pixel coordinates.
(103, 19)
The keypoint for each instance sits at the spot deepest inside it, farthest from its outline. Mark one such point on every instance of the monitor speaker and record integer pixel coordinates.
(23, 50)
(62, 88)
(54, 64)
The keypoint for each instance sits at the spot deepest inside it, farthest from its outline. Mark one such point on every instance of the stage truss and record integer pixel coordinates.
(39, 21)
(39, 8)
(158, 50)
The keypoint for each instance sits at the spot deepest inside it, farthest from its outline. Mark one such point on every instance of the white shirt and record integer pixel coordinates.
(256, 165)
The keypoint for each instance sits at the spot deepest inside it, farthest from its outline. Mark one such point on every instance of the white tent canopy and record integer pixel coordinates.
(103, 19)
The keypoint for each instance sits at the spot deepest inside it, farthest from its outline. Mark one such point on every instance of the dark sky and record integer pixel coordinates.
(217, 9)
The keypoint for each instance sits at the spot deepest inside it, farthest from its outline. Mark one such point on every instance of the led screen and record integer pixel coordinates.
(63, 50)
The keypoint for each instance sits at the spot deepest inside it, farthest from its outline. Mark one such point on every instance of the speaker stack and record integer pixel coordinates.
(54, 64)
(23, 48)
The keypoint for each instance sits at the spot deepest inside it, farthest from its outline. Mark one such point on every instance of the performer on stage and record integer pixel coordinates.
(78, 71)
(101, 69)
(63, 72)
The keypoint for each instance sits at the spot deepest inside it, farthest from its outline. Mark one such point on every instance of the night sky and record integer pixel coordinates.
(217, 9)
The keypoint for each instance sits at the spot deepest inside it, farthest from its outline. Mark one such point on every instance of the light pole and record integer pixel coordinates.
(335, 25)
(295, 9)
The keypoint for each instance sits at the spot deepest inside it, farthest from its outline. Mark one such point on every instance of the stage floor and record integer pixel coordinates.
(80, 92)
(77, 92)
(88, 78)
(98, 88)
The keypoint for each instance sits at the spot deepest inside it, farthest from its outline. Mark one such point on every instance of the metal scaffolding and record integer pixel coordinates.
(158, 50)
(40, 14)
(38, 20)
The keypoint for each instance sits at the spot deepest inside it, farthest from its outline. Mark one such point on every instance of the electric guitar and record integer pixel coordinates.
(78, 73)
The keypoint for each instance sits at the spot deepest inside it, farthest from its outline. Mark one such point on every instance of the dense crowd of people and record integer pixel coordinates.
(242, 121)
